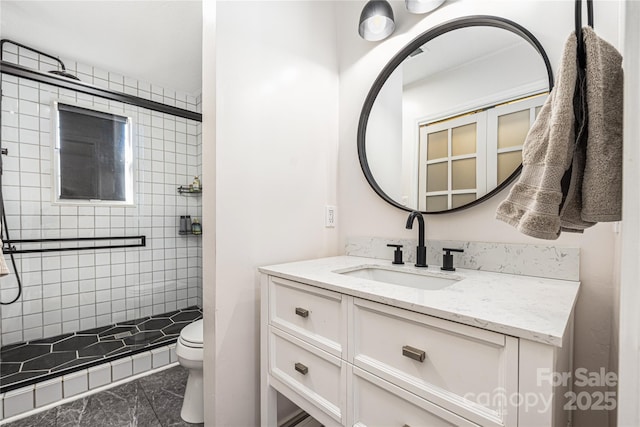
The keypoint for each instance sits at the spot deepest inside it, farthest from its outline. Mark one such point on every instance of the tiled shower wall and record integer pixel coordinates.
(75, 290)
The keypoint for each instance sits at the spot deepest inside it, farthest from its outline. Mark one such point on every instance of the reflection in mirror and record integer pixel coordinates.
(447, 126)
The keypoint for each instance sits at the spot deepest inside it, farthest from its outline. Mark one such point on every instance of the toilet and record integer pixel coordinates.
(189, 350)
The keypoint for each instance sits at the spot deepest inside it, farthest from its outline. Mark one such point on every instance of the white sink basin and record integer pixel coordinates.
(412, 279)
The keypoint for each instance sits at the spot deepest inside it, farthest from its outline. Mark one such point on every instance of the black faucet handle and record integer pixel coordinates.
(447, 259)
(397, 254)
(449, 250)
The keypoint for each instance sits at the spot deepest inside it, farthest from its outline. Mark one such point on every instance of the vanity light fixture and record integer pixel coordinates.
(376, 20)
(422, 6)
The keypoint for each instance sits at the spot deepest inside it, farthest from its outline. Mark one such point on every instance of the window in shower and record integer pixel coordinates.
(93, 156)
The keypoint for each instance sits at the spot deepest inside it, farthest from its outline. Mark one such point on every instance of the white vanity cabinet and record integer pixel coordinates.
(451, 365)
(304, 346)
(351, 361)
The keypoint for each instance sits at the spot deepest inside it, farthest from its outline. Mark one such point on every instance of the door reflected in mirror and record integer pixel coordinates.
(447, 125)
(481, 149)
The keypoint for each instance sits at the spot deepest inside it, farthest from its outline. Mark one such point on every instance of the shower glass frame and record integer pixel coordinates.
(139, 296)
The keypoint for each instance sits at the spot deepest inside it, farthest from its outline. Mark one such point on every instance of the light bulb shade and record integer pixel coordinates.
(422, 6)
(376, 20)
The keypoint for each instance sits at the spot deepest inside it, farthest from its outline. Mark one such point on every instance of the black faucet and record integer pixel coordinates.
(421, 250)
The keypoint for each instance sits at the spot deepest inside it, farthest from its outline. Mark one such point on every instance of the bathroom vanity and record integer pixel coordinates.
(355, 341)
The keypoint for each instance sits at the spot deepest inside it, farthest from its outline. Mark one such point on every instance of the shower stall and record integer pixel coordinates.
(101, 268)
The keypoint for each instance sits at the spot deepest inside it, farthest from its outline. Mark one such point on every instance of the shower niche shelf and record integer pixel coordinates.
(185, 189)
(187, 228)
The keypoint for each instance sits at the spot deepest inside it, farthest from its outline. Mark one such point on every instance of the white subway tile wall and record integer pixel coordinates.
(71, 291)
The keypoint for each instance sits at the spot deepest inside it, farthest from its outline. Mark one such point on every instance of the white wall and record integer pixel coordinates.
(629, 317)
(363, 213)
(276, 134)
(209, 46)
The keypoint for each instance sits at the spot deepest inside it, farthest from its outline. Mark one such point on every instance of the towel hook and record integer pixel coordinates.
(581, 53)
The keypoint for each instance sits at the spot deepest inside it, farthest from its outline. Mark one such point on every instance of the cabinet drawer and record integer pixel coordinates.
(314, 374)
(469, 371)
(377, 402)
(311, 314)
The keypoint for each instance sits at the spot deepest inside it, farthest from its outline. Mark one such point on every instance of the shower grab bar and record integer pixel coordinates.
(8, 247)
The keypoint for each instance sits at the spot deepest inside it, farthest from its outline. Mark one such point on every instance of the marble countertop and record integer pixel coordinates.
(534, 308)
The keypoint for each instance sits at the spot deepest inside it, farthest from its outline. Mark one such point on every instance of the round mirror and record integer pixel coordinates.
(442, 127)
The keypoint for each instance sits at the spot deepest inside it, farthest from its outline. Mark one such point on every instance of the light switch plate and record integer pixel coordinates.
(330, 216)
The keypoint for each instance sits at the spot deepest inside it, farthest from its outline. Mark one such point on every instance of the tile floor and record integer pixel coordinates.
(34, 361)
(151, 401)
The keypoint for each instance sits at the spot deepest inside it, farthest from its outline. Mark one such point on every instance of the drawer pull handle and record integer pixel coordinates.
(413, 353)
(302, 312)
(302, 369)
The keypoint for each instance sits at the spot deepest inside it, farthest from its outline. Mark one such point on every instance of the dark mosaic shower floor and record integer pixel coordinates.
(34, 361)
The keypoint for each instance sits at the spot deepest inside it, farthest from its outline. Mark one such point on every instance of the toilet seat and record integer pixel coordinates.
(190, 344)
(192, 334)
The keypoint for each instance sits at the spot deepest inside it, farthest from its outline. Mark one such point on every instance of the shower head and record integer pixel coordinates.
(64, 73)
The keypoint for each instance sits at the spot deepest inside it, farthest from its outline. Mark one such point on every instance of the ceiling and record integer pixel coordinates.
(460, 47)
(157, 41)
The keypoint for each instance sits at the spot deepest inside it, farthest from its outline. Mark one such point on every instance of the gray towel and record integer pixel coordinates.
(602, 181)
(533, 204)
(570, 213)
(595, 193)
(591, 191)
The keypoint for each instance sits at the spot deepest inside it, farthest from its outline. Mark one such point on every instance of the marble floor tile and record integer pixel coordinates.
(125, 405)
(151, 401)
(165, 393)
(43, 419)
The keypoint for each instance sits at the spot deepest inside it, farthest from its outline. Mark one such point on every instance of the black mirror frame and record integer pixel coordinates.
(469, 21)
